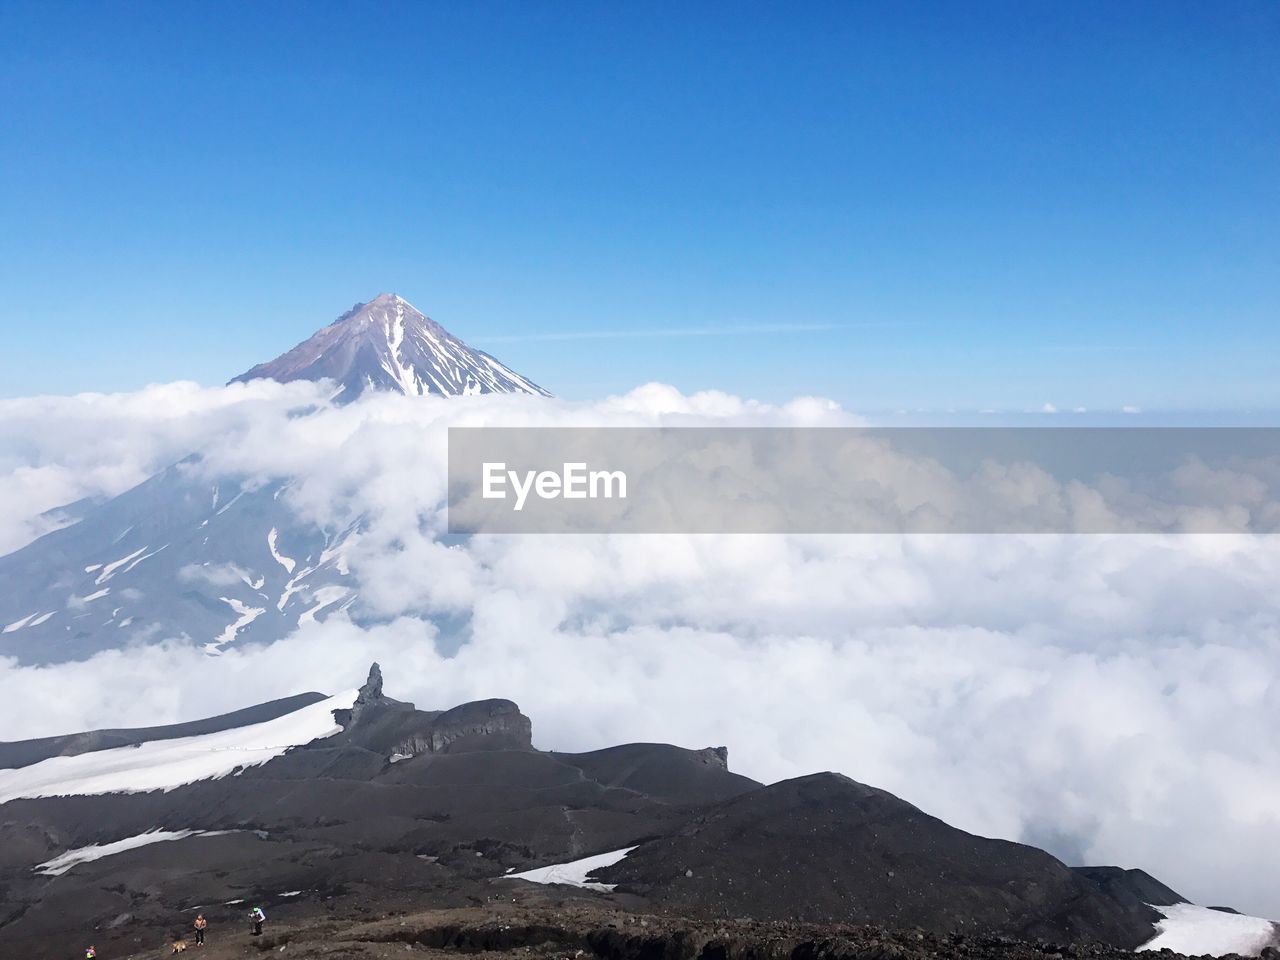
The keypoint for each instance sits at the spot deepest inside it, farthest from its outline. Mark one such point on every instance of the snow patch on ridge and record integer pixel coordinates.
(1198, 931)
(168, 764)
(574, 873)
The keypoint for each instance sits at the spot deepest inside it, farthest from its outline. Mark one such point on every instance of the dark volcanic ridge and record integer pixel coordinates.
(407, 810)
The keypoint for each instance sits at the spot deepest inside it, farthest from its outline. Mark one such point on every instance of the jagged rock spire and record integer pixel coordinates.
(367, 696)
(372, 689)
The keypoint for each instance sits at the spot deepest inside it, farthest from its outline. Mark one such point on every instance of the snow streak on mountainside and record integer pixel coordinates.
(73, 858)
(386, 344)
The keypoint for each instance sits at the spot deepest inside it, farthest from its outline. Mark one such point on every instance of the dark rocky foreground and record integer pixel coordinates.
(545, 924)
(396, 834)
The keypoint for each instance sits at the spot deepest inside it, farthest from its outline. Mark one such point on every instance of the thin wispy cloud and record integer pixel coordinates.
(659, 333)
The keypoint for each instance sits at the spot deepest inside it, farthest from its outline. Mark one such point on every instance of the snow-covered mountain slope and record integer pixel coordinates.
(166, 764)
(386, 344)
(1203, 931)
(214, 563)
(220, 561)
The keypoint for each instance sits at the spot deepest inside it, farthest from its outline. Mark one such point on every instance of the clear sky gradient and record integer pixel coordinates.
(897, 205)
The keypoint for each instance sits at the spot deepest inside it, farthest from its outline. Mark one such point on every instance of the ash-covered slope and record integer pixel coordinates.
(880, 860)
(380, 806)
(386, 344)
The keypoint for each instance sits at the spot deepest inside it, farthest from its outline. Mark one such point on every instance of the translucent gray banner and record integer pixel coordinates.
(873, 480)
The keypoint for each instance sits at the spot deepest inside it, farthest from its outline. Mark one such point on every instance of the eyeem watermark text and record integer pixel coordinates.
(573, 482)
(864, 480)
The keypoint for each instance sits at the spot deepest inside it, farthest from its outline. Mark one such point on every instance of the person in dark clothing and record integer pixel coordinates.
(200, 925)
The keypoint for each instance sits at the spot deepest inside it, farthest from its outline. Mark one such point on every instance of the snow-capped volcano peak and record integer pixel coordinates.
(387, 344)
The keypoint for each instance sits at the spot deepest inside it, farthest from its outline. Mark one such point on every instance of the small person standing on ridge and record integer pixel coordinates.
(90, 954)
(200, 925)
(257, 917)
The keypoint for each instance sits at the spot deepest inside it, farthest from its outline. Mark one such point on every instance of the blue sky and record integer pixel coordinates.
(895, 205)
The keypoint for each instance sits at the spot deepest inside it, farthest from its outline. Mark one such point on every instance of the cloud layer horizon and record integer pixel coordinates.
(1112, 699)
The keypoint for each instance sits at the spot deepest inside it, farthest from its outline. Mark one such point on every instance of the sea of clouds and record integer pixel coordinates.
(1111, 698)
